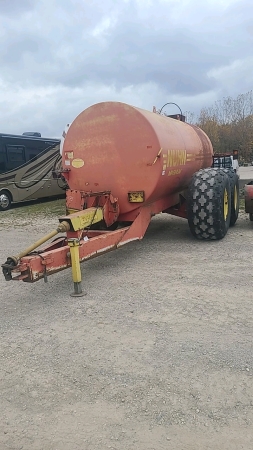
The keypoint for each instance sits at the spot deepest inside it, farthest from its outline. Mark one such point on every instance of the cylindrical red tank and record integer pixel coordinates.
(115, 147)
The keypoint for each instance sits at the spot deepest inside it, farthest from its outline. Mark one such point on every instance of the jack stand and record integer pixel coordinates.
(77, 290)
(76, 269)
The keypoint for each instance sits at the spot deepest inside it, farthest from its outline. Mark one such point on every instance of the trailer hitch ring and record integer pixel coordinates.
(8, 267)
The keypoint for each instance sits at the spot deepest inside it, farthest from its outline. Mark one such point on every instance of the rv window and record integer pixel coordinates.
(15, 153)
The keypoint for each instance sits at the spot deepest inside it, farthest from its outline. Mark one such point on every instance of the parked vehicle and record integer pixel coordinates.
(123, 165)
(26, 165)
(227, 161)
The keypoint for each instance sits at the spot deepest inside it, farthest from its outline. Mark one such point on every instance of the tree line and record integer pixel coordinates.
(229, 125)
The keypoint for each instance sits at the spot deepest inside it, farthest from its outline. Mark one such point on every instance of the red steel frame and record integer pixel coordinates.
(55, 256)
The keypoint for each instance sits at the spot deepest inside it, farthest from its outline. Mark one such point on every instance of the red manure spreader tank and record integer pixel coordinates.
(123, 165)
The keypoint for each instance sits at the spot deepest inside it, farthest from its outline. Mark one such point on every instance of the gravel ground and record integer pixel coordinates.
(158, 354)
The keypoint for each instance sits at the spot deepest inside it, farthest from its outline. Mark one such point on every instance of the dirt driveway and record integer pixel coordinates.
(158, 355)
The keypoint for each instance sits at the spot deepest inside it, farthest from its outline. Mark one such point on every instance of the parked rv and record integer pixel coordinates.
(26, 165)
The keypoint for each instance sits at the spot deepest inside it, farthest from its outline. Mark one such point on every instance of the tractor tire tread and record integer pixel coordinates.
(205, 204)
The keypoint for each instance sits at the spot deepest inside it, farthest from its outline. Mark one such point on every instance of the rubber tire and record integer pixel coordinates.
(234, 186)
(205, 204)
(9, 198)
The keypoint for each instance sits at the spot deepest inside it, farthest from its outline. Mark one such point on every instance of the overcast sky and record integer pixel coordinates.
(60, 56)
